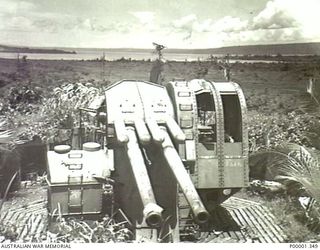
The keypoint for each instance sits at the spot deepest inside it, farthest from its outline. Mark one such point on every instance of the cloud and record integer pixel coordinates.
(204, 26)
(279, 22)
(93, 24)
(294, 20)
(185, 25)
(146, 19)
(54, 23)
(230, 24)
(22, 16)
(190, 26)
(274, 16)
(262, 36)
(185, 22)
(9, 7)
(11, 15)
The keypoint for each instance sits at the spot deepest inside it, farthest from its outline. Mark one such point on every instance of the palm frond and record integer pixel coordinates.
(8, 189)
(7, 136)
(3, 124)
(300, 166)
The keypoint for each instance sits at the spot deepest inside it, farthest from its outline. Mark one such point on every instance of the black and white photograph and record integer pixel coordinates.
(148, 121)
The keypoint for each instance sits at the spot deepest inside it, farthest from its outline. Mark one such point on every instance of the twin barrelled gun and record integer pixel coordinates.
(145, 115)
(141, 132)
(142, 129)
(150, 139)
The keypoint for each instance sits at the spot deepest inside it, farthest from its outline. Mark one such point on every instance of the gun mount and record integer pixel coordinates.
(188, 138)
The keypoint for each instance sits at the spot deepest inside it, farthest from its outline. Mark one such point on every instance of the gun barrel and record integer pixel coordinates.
(151, 211)
(120, 129)
(142, 131)
(201, 215)
(175, 130)
(155, 130)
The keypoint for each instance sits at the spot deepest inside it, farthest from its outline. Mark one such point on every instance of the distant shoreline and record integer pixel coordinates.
(10, 49)
(293, 49)
(169, 57)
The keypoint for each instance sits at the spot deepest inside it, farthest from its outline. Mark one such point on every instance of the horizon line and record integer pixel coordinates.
(151, 48)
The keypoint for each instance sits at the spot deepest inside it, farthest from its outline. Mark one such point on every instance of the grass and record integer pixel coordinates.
(80, 231)
(290, 216)
(265, 87)
(8, 231)
(298, 169)
(292, 219)
(301, 167)
(7, 136)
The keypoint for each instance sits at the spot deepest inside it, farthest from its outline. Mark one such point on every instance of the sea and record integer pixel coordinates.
(110, 55)
(117, 54)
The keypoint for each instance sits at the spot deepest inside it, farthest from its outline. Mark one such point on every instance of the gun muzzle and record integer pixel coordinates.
(120, 129)
(156, 132)
(151, 211)
(142, 131)
(175, 130)
(200, 213)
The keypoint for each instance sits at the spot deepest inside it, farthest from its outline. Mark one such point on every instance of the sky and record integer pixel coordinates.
(174, 23)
